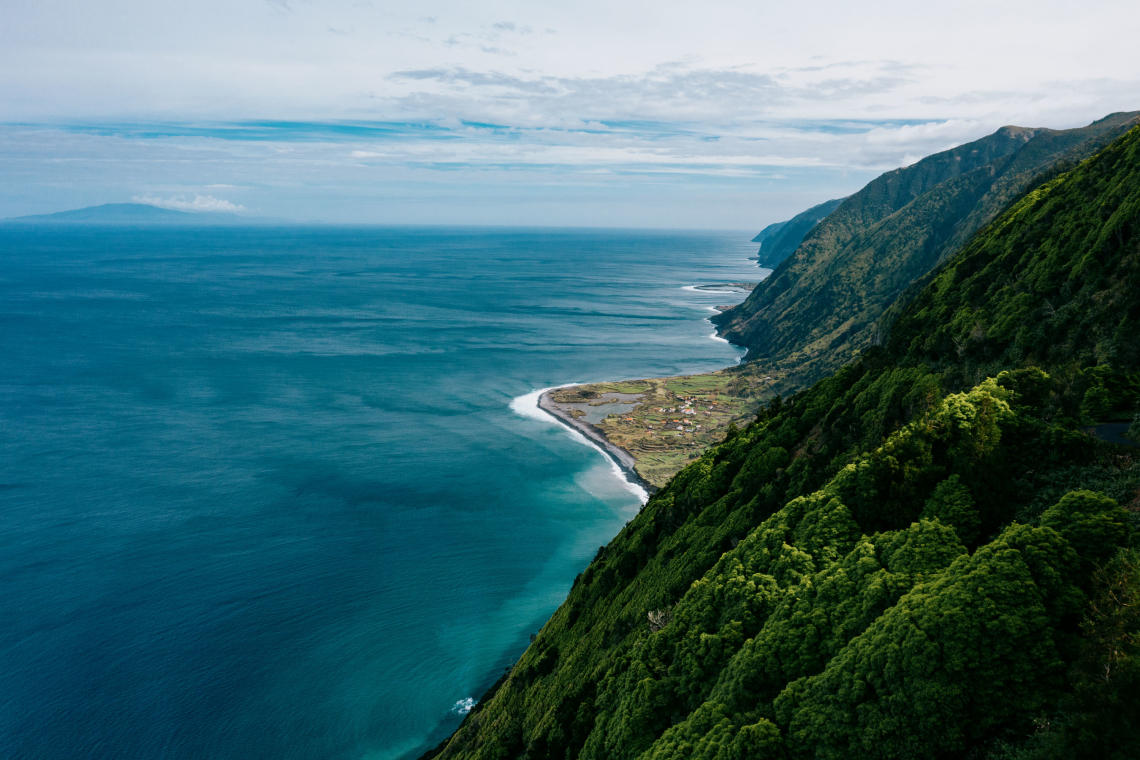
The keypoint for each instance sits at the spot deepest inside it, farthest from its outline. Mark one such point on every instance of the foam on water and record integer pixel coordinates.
(527, 406)
(305, 524)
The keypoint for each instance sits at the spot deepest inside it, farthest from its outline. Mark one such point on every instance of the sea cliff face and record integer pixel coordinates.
(768, 232)
(783, 241)
(920, 556)
(820, 308)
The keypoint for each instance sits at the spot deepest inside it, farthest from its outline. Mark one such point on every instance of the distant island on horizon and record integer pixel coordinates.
(124, 213)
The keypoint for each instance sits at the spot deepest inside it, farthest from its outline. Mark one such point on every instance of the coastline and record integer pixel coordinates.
(655, 426)
(619, 456)
(655, 457)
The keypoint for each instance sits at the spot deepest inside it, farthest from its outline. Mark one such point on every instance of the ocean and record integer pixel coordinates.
(283, 493)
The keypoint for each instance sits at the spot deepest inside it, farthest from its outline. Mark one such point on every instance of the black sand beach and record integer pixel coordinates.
(620, 456)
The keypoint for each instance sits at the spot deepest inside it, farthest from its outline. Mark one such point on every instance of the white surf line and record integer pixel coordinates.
(695, 289)
(463, 706)
(527, 406)
(714, 336)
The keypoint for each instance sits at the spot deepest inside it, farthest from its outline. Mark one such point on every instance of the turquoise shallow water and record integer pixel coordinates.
(262, 491)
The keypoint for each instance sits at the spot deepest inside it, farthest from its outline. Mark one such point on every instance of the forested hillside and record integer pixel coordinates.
(779, 241)
(819, 308)
(919, 557)
(768, 232)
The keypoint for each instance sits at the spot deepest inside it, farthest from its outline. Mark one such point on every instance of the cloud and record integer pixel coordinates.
(510, 26)
(672, 91)
(201, 203)
(291, 100)
(573, 145)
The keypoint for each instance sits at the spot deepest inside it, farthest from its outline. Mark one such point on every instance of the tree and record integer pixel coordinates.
(1094, 525)
(952, 504)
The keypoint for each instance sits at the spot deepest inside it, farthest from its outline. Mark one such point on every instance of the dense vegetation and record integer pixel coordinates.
(779, 241)
(819, 309)
(768, 232)
(1048, 285)
(921, 556)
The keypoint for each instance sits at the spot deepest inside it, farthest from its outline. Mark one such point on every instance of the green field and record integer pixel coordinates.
(703, 406)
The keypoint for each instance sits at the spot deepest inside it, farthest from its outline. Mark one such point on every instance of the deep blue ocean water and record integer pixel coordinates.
(262, 491)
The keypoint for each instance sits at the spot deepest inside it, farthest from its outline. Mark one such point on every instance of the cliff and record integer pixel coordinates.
(820, 307)
(918, 557)
(782, 242)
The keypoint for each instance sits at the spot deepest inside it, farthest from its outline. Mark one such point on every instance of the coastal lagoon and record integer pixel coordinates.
(263, 492)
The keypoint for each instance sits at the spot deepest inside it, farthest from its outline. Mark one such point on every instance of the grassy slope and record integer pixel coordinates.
(1050, 284)
(784, 241)
(819, 309)
(843, 575)
(768, 232)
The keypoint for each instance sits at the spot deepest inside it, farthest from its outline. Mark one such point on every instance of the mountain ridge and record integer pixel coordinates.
(916, 557)
(768, 232)
(123, 213)
(820, 307)
(782, 242)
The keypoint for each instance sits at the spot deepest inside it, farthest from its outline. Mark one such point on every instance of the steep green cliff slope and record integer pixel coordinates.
(779, 241)
(819, 308)
(768, 232)
(919, 557)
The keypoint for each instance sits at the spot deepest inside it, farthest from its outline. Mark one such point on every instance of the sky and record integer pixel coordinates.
(717, 115)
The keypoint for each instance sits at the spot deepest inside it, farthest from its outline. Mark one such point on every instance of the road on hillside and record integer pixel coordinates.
(1111, 432)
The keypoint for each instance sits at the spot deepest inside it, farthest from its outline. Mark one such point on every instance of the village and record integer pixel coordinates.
(665, 423)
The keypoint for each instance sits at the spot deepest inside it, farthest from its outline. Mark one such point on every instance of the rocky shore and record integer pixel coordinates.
(620, 456)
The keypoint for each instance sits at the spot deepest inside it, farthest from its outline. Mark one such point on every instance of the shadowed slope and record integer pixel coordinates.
(845, 578)
(818, 310)
(782, 242)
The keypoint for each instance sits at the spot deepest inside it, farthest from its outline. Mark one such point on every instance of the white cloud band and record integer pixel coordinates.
(200, 204)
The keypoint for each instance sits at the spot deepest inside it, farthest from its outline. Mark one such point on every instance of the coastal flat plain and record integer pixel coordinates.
(263, 493)
(665, 423)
